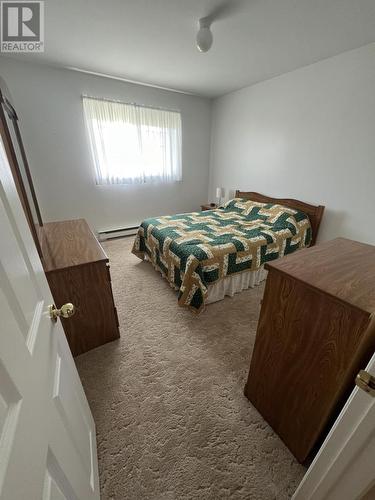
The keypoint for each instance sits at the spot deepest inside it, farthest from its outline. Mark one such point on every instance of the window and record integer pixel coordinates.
(133, 144)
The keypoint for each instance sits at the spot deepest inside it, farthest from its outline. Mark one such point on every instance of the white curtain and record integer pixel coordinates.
(133, 144)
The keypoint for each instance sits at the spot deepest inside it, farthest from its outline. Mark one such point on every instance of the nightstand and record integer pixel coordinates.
(208, 206)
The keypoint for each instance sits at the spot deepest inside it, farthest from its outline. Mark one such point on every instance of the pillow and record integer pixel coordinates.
(242, 205)
(263, 210)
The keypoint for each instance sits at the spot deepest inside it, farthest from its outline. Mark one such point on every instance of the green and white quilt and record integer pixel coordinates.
(195, 250)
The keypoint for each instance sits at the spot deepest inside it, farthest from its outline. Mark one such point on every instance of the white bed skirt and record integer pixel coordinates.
(235, 284)
(231, 284)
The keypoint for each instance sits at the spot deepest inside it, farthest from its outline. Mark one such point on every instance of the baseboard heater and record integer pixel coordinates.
(117, 233)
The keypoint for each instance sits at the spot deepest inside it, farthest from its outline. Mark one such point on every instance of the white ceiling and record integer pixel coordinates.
(152, 41)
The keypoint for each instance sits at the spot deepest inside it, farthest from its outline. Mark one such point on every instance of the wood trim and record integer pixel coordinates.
(314, 212)
(12, 158)
(28, 173)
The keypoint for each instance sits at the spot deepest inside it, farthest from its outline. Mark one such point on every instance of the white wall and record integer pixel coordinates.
(308, 134)
(48, 102)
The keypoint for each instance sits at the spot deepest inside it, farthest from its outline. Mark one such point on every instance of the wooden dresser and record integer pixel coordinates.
(77, 271)
(76, 266)
(316, 331)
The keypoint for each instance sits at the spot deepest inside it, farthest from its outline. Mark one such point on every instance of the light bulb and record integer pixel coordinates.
(204, 35)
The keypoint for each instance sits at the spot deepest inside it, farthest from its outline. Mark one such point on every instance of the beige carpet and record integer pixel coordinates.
(172, 420)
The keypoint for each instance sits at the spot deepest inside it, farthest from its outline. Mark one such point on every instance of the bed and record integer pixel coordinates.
(206, 255)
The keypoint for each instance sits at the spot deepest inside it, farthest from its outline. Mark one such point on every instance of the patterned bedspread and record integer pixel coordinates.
(195, 250)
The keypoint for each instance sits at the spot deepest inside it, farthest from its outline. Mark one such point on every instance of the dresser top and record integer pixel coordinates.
(342, 268)
(69, 243)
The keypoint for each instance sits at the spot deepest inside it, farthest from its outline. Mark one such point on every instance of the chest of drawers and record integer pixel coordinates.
(77, 271)
(315, 332)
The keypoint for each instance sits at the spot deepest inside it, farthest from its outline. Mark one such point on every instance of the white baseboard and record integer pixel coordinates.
(117, 233)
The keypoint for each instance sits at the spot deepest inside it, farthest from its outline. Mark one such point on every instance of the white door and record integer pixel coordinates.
(47, 433)
(344, 466)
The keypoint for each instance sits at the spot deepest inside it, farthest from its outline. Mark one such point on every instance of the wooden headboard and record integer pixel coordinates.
(314, 212)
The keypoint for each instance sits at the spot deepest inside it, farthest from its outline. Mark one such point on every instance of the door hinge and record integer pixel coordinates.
(365, 381)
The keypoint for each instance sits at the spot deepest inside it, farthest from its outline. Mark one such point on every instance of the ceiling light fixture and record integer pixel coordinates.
(204, 35)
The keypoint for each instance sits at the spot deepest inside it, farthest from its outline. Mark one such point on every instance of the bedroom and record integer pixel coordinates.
(280, 108)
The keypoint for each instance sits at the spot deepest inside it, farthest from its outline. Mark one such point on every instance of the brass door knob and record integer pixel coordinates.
(65, 311)
(365, 381)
